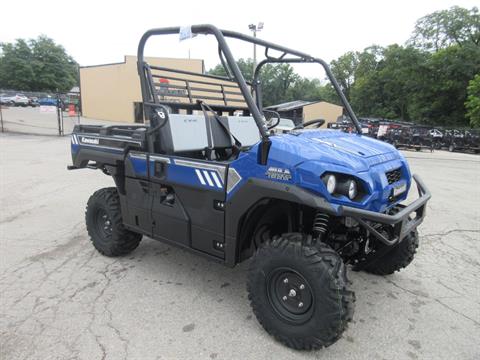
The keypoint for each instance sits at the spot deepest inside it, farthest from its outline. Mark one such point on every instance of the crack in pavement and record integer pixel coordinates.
(448, 232)
(106, 309)
(416, 294)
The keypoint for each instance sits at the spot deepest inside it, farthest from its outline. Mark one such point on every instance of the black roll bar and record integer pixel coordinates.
(205, 29)
(228, 60)
(331, 77)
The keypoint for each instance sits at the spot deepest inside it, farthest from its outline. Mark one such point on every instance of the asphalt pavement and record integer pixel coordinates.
(60, 299)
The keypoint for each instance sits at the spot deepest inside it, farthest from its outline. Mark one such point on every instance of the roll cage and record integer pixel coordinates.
(254, 106)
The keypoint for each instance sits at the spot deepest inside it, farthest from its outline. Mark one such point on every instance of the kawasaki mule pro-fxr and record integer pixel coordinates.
(208, 175)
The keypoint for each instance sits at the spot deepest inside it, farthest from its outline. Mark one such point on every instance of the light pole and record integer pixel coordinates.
(1, 117)
(254, 28)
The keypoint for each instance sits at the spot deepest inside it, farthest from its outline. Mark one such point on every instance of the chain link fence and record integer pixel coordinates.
(39, 113)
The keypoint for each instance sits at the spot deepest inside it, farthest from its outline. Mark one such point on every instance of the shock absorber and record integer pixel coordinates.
(320, 225)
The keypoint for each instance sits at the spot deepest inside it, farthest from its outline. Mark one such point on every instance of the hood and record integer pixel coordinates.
(358, 152)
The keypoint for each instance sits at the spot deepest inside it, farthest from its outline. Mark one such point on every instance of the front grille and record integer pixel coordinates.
(393, 176)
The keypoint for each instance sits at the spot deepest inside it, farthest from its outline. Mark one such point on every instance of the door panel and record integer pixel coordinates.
(136, 213)
(194, 188)
(137, 204)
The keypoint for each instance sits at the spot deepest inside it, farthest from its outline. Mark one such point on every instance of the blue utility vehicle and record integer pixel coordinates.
(208, 174)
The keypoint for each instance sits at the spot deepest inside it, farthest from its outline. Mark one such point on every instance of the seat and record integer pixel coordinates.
(188, 134)
(245, 129)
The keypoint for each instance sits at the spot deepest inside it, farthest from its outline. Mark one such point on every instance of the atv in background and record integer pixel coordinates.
(463, 140)
(472, 140)
(437, 138)
(454, 140)
(399, 136)
(421, 138)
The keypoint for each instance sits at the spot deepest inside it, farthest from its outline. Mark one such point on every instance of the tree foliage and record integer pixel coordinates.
(454, 26)
(38, 65)
(344, 69)
(424, 81)
(384, 88)
(280, 83)
(442, 89)
(473, 101)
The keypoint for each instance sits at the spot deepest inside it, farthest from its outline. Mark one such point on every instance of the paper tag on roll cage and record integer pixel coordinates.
(186, 33)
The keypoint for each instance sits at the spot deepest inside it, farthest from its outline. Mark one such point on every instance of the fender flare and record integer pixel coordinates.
(251, 193)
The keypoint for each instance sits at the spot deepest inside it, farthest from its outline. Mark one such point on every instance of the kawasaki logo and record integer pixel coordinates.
(92, 141)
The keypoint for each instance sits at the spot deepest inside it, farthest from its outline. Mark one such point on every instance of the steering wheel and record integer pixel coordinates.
(319, 123)
(273, 113)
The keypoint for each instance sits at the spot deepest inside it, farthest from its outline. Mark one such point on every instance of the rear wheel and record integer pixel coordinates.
(299, 292)
(105, 226)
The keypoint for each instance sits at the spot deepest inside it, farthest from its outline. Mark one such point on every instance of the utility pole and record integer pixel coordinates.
(254, 28)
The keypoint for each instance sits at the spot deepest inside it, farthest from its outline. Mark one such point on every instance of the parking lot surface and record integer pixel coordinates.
(60, 299)
(34, 121)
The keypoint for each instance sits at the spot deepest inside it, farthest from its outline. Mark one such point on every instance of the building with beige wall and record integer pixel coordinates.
(112, 91)
(301, 111)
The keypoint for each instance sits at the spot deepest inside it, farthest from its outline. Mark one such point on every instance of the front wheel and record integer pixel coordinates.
(399, 257)
(105, 226)
(299, 292)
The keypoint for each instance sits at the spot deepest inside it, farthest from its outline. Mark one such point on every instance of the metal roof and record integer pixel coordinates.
(291, 105)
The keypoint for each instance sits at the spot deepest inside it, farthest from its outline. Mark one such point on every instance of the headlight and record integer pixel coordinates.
(341, 184)
(352, 189)
(330, 182)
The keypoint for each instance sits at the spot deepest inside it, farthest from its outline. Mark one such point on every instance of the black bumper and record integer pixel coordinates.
(402, 222)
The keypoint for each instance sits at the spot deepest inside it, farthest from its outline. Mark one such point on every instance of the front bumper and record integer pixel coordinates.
(402, 219)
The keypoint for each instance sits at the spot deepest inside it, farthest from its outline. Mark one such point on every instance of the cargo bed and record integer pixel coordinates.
(96, 145)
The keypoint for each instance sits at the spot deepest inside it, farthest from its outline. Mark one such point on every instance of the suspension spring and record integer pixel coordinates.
(320, 224)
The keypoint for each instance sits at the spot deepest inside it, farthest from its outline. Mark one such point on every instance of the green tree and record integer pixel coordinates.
(368, 60)
(473, 101)
(455, 26)
(16, 71)
(276, 80)
(54, 69)
(385, 81)
(441, 90)
(328, 93)
(38, 64)
(344, 69)
(245, 66)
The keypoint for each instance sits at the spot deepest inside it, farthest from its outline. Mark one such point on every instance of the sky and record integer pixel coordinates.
(98, 32)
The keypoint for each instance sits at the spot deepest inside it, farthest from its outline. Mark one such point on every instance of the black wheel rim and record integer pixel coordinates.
(103, 224)
(290, 295)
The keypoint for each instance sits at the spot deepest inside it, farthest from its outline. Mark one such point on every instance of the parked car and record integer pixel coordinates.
(33, 101)
(5, 99)
(15, 100)
(48, 101)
